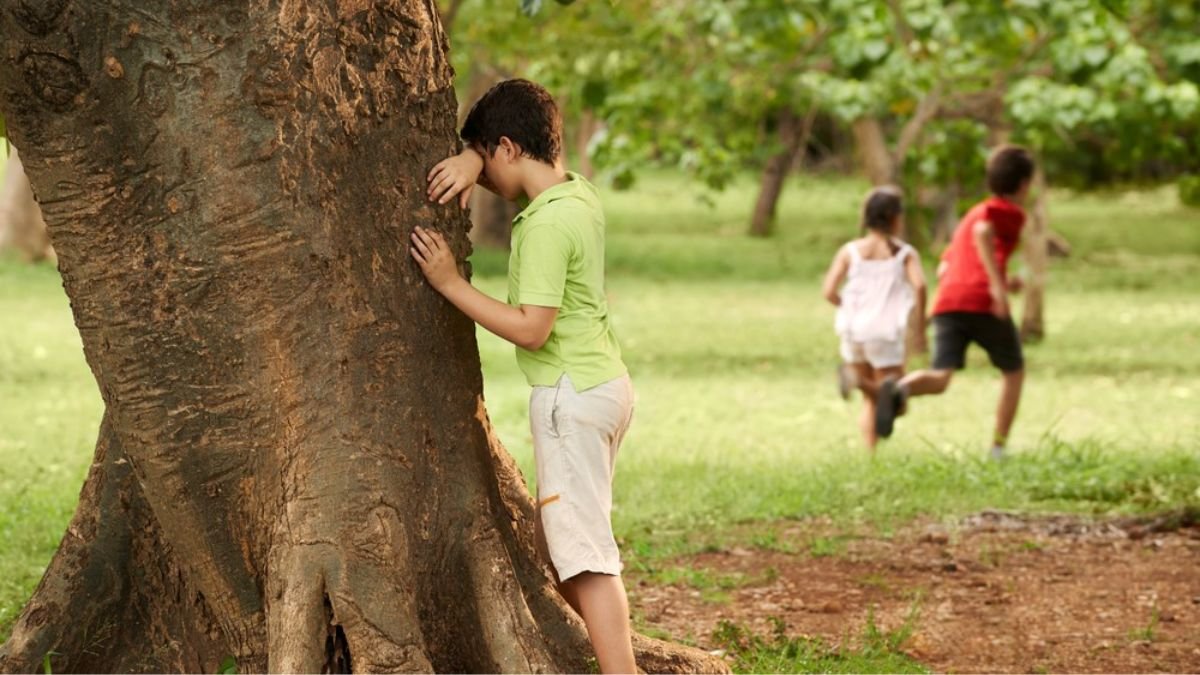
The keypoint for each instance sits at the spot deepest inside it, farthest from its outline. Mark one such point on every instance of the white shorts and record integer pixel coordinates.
(876, 353)
(576, 436)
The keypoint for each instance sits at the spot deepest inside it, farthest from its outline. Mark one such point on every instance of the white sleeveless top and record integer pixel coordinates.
(877, 297)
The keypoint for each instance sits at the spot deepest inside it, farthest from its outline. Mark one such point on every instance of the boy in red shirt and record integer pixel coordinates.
(972, 302)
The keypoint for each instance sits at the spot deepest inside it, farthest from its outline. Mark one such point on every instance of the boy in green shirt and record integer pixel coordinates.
(557, 316)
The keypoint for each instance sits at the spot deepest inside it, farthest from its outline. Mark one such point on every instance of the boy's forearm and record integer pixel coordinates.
(987, 256)
(499, 318)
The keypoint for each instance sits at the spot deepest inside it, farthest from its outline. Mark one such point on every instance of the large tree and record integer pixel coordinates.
(295, 467)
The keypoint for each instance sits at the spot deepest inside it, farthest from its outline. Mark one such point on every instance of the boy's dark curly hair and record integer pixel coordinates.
(521, 110)
(1007, 168)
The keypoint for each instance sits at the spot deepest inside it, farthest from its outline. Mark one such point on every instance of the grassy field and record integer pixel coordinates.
(732, 353)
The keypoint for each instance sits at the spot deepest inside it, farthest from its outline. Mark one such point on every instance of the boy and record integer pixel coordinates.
(972, 302)
(557, 316)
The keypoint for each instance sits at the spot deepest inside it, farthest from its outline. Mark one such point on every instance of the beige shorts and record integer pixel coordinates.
(876, 353)
(576, 436)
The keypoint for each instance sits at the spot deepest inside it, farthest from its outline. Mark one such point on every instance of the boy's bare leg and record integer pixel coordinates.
(925, 382)
(605, 612)
(1006, 411)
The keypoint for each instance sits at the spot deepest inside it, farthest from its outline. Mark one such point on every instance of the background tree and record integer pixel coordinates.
(22, 228)
(295, 468)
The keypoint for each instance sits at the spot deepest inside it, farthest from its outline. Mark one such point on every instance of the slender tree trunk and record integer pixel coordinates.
(872, 150)
(945, 216)
(296, 468)
(585, 128)
(491, 219)
(1037, 258)
(793, 137)
(22, 228)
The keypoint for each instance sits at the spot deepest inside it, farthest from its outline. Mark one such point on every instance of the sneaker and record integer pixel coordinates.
(846, 381)
(889, 403)
(997, 453)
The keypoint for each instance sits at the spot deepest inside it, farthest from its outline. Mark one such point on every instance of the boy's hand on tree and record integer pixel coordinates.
(455, 175)
(433, 254)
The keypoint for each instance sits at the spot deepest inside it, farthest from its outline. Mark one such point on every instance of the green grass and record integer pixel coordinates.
(1148, 632)
(732, 354)
(49, 416)
(877, 651)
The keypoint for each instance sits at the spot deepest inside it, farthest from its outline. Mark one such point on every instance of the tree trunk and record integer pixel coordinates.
(872, 150)
(945, 214)
(585, 128)
(1037, 258)
(793, 137)
(21, 225)
(296, 468)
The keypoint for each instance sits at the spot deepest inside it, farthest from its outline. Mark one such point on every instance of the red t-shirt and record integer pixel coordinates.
(963, 286)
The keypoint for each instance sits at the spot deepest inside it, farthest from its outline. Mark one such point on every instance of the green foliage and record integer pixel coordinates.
(1116, 99)
(1104, 91)
(228, 666)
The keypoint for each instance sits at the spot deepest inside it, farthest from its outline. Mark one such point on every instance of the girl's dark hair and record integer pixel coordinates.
(882, 206)
(521, 110)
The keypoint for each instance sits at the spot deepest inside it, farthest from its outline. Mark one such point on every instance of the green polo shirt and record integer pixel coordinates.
(557, 260)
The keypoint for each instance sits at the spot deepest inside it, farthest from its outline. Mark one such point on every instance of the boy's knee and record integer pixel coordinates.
(941, 379)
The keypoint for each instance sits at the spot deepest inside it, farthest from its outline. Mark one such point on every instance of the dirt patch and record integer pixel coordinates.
(995, 592)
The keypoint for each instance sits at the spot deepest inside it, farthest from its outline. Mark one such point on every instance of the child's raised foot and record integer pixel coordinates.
(889, 404)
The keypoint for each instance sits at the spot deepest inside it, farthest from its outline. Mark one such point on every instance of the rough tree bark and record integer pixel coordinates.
(295, 467)
(793, 137)
(22, 228)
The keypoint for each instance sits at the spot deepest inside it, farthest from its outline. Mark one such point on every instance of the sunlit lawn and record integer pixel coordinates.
(732, 354)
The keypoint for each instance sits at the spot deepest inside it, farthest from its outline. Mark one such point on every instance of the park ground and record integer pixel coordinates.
(750, 518)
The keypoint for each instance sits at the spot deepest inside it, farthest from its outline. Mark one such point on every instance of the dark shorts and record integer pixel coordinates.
(954, 331)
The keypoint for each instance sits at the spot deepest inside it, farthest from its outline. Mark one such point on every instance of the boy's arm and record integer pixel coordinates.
(527, 326)
(916, 279)
(984, 234)
(456, 175)
(834, 277)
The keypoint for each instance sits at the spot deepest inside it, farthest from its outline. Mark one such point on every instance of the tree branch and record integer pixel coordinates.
(926, 110)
